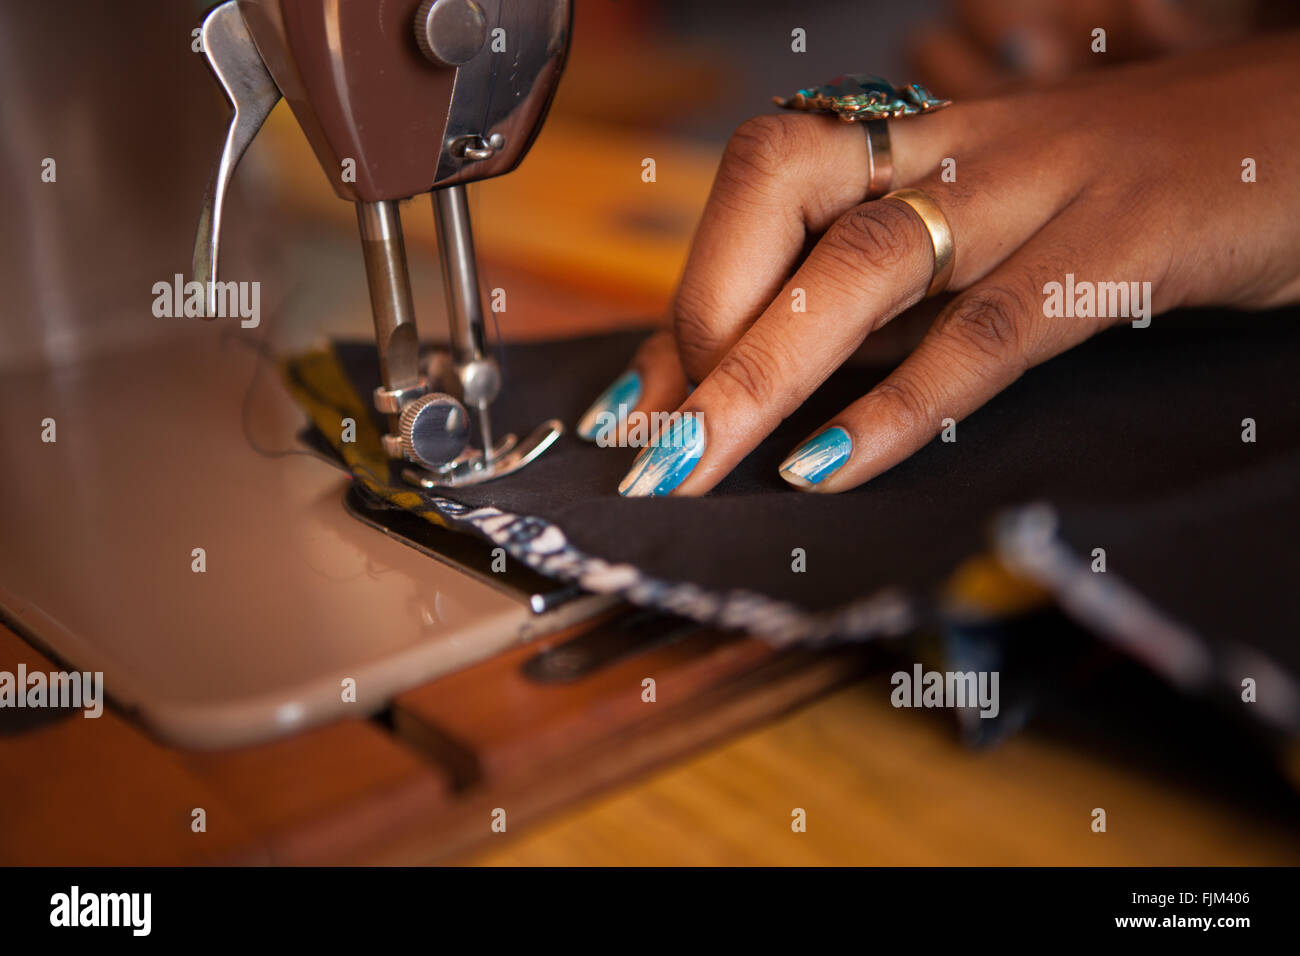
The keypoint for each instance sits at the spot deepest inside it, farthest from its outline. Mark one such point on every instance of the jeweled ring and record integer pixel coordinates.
(872, 101)
(936, 224)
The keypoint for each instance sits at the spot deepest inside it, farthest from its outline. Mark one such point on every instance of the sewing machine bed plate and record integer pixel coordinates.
(151, 461)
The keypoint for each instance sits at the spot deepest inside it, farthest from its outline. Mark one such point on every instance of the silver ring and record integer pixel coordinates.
(880, 158)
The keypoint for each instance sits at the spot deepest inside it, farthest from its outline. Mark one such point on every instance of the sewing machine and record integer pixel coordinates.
(170, 533)
(176, 535)
(399, 99)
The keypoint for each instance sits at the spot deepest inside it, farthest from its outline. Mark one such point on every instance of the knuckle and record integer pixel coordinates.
(906, 405)
(698, 341)
(964, 191)
(875, 234)
(760, 151)
(753, 368)
(990, 322)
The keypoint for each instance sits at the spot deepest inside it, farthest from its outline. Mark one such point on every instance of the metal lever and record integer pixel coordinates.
(396, 336)
(479, 375)
(252, 92)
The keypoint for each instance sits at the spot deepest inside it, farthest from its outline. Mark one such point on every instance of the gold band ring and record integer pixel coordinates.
(936, 224)
(880, 158)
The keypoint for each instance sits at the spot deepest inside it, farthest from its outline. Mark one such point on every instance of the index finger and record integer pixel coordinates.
(875, 261)
(781, 177)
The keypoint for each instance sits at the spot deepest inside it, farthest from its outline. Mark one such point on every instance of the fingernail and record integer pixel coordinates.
(818, 457)
(611, 407)
(664, 465)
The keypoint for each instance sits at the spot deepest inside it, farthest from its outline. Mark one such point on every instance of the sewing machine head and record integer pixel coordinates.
(398, 98)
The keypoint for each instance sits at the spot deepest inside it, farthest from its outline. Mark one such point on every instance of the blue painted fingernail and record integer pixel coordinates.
(664, 465)
(818, 457)
(623, 395)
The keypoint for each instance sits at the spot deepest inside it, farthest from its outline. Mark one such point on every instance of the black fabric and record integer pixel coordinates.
(1135, 436)
(1220, 558)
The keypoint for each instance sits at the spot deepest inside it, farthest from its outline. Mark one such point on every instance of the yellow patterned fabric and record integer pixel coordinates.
(322, 388)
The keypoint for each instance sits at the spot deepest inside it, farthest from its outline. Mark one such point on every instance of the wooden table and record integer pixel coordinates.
(879, 786)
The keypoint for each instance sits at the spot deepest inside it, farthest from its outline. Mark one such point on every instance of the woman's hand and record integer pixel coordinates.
(1117, 176)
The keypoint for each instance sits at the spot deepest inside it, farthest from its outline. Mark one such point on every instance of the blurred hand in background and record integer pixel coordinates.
(982, 46)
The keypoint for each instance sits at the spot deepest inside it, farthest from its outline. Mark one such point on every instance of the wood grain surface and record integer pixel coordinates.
(888, 787)
(100, 791)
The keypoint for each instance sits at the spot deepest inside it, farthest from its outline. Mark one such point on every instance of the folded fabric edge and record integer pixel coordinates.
(544, 547)
(316, 380)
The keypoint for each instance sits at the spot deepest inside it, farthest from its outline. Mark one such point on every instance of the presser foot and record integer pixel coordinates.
(473, 468)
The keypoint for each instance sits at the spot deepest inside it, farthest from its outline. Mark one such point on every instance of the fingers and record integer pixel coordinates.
(771, 175)
(1026, 37)
(782, 178)
(875, 261)
(654, 382)
(981, 343)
